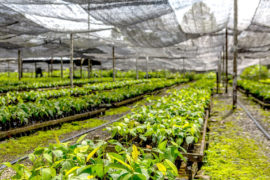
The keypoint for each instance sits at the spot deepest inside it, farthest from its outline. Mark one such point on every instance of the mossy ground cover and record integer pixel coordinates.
(232, 154)
(13, 148)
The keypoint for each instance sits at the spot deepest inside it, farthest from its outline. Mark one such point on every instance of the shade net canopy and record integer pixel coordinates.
(174, 34)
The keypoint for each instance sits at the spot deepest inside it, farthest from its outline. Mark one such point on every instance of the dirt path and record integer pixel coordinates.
(237, 148)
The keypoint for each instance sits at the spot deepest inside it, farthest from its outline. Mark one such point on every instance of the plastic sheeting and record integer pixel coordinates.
(166, 30)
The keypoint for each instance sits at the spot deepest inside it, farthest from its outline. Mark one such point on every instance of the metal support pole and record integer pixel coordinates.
(137, 74)
(19, 64)
(21, 67)
(89, 68)
(226, 64)
(223, 66)
(147, 58)
(113, 56)
(62, 68)
(81, 68)
(71, 61)
(184, 72)
(260, 69)
(36, 69)
(235, 46)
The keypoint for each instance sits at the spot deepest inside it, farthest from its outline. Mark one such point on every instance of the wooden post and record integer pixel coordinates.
(89, 68)
(147, 58)
(36, 69)
(81, 67)
(226, 64)
(235, 46)
(71, 61)
(113, 56)
(137, 74)
(62, 68)
(19, 64)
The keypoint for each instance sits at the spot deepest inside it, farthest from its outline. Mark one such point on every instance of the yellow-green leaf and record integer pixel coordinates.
(92, 153)
(71, 170)
(90, 177)
(81, 138)
(174, 168)
(122, 162)
(57, 139)
(135, 153)
(161, 168)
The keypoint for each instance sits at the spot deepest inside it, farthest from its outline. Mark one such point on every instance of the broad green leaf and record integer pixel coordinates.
(172, 166)
(122, 162)
(161, 168)
(92, 153)
(71, 170)
(162, 145)
(189, 139)
(135, 153)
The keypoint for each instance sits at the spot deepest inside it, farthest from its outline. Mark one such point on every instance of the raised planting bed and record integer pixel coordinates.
(15, 97)
(148, 144)
(258, 90)
(254, 98)
(102, 108)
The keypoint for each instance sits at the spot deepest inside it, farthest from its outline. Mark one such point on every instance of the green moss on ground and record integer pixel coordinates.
(20, 146)
(231, 154)
(115, 111)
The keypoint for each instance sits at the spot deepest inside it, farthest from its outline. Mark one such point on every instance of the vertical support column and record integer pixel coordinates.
(113, 56)
(137, 74)
(147, 58)
(71, 61)
(62, 67)
(19, 64)
(89, 68)
(48, 69)
(21, 67)
(184, 72)
(101, 71)
(81, 67)
(260, 70)
(223, 66)
(235, 45)
(36, 69)
(226, 64)
(52, 67)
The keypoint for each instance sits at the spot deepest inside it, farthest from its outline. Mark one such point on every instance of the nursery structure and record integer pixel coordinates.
(141, 89)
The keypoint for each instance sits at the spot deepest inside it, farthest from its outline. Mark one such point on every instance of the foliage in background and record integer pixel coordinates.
(255, 72)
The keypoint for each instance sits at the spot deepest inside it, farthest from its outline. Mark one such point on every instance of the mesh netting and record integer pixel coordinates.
(168, 31)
